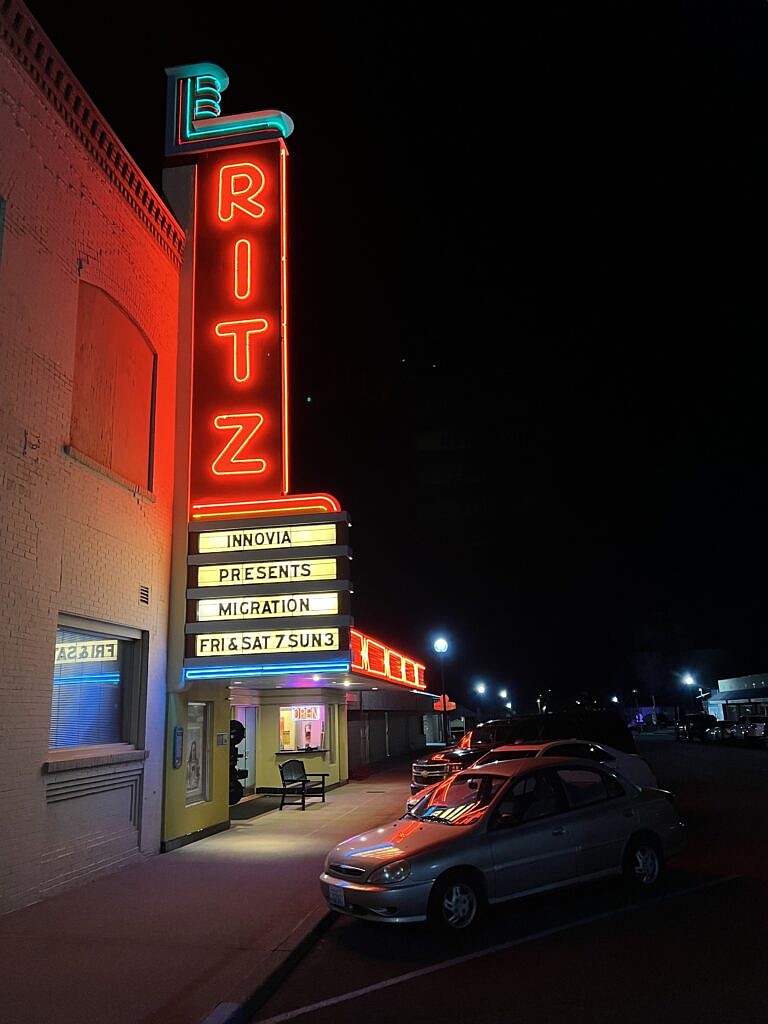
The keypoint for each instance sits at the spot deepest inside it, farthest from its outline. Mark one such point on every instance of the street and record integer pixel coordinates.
(689, 953)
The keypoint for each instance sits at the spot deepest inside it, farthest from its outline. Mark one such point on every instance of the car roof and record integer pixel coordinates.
(535, 747)
(520, 765)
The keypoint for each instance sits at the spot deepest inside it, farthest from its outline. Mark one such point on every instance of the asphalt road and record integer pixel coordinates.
(692, 953)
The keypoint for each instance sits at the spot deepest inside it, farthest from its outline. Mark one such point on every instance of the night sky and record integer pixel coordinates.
(528, 305)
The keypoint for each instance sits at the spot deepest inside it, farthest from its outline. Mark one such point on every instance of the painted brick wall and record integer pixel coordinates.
(72, 539)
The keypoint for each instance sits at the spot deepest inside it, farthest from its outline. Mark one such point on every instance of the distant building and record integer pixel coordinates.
(739, 696)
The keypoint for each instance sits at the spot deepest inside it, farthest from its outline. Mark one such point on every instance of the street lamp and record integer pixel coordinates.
(688, 679)
(480, 691)
(440, 647)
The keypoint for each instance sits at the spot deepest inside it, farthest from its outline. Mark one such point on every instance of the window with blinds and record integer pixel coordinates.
(91, 673)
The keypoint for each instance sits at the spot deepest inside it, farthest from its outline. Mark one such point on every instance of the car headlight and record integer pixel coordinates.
(391, 873)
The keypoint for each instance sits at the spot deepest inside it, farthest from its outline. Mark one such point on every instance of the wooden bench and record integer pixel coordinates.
(298, 784)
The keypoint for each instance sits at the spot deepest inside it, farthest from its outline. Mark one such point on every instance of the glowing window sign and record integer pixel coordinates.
(283, 606)
(268, 537)
(265, 642)
(305, 713)
(88, 650)
(266, 572)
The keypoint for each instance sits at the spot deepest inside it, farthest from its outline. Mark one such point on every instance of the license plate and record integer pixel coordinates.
(336, 895)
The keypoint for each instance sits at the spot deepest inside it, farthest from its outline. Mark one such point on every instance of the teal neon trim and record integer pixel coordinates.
(269, 120)
(193, 113)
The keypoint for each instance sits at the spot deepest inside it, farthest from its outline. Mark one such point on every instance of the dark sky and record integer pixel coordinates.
(528, 302)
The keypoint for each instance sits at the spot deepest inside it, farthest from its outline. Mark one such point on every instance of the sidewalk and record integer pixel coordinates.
(191, 936)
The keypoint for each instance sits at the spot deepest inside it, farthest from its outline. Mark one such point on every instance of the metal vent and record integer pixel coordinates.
(143, 595)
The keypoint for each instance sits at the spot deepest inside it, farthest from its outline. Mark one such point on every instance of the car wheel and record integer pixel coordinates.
(457, 903)
(643, 864)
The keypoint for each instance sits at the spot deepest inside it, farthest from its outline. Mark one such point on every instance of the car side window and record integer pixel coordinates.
(583, 786)
(535, 796)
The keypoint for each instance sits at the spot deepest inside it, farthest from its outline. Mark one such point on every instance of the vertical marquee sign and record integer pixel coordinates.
(239, 415)
(239, 459)
(268, 584)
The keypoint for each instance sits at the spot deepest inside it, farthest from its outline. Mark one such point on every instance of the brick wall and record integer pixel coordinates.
(72, 539)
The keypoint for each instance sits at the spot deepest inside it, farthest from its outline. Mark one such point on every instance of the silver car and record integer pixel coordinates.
(500, 832)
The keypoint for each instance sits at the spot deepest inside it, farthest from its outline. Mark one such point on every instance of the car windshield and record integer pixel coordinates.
(504, 755)
(460, 800)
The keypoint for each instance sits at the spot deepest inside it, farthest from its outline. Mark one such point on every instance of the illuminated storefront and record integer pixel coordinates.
(261, 594)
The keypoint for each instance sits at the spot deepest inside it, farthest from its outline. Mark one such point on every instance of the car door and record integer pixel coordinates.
(530, 845)
(602, 816)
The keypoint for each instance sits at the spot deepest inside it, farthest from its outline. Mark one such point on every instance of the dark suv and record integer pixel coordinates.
(694, 727)
(600, 726)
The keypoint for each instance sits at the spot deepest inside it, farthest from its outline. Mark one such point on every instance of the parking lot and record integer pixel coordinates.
(690, 953)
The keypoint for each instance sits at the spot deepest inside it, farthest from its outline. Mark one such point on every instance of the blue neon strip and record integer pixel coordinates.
(108, 677)
(251, 671)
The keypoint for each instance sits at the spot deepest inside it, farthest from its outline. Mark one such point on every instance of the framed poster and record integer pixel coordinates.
(196, 752)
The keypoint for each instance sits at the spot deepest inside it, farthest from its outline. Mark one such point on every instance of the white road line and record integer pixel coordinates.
(447, 964)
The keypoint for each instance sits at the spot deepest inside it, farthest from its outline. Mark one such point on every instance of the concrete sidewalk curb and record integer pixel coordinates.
(242, 1014)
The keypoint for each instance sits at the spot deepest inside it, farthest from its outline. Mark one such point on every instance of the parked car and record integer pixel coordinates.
(500, 832)
(600, 726)
(631, 766)
(723, 731)
(694, 727)
(753, 730)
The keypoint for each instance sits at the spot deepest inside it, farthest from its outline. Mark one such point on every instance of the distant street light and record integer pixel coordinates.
(440, 647)
(689, 680)
(480, 691)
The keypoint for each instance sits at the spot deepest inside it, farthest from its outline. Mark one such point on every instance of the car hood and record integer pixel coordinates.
(454, 755)
(405, 838)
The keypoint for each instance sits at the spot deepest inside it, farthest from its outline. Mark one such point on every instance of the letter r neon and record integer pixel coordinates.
(239, 184)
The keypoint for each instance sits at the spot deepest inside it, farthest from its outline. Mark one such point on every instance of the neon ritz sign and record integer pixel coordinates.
(239, 417)
(239, 430)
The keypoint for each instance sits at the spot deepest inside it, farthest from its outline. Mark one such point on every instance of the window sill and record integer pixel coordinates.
(74, 758)
(303, 750)
(136, 489)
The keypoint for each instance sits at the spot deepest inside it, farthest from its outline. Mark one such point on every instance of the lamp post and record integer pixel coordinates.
(689, 680)
(480, 691)
(440, 647)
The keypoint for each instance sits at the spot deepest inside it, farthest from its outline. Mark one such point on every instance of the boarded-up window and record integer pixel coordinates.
(113, 398)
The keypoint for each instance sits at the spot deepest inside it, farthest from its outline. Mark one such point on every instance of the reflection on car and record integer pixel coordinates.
(499, 832)
(631, 766)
